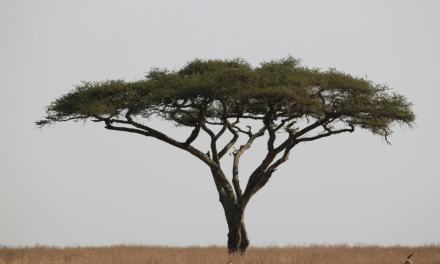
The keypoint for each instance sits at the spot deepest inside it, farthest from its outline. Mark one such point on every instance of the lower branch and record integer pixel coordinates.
(265, 179)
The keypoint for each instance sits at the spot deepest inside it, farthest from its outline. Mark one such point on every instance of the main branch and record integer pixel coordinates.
(237, 156)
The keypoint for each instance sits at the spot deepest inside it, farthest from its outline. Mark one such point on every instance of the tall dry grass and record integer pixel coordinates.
(130, 254)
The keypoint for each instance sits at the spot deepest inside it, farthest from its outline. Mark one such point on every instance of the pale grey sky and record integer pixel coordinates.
(78, 184)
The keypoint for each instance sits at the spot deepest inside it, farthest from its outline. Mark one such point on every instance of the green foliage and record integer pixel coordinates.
(212, 90)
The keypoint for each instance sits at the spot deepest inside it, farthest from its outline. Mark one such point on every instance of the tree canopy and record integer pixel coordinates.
(281, 96)
(216, 89)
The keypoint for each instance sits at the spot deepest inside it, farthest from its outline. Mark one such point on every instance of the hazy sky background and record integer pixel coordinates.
(77, 184)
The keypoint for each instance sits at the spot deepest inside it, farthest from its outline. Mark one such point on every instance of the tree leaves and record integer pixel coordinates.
(212, 90)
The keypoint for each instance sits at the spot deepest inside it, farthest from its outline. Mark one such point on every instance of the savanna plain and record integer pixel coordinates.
(128, 254)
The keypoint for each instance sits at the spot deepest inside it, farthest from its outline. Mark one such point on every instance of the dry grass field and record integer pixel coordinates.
(131, 254)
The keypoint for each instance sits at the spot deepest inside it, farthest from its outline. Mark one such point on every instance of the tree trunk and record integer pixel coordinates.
(238, 240)
(244, 240)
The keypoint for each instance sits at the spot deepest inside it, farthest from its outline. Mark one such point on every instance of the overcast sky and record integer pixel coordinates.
(80, 184)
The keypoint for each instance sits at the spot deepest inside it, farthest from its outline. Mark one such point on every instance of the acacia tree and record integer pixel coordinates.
(279, 96)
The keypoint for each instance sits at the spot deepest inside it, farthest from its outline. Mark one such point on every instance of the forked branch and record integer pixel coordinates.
(236, 162)
(232, 142)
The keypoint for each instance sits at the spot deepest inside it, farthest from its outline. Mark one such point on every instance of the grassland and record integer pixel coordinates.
(130, 254)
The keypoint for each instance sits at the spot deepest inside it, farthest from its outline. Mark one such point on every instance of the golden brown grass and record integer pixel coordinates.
(131, 254)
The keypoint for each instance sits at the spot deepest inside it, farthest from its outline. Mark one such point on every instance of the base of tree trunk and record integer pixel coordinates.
(244, 240)
(238, 240)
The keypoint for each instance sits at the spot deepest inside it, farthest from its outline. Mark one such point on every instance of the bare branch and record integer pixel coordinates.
(220, 133)
(245, 117)
(165, 138)
(267, 121)
(230, 143)
(126, 129)
(213, 143)
(284, 121)
(214, 123)
(237, 155)
(249, 133)
(229, 126)
(329, 133)
(118, 121)
(235, 177)
(194, 134)
(265, 179)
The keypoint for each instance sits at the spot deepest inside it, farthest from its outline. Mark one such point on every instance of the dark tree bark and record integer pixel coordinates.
(244, 239)
(238, 240)
(236, 236)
